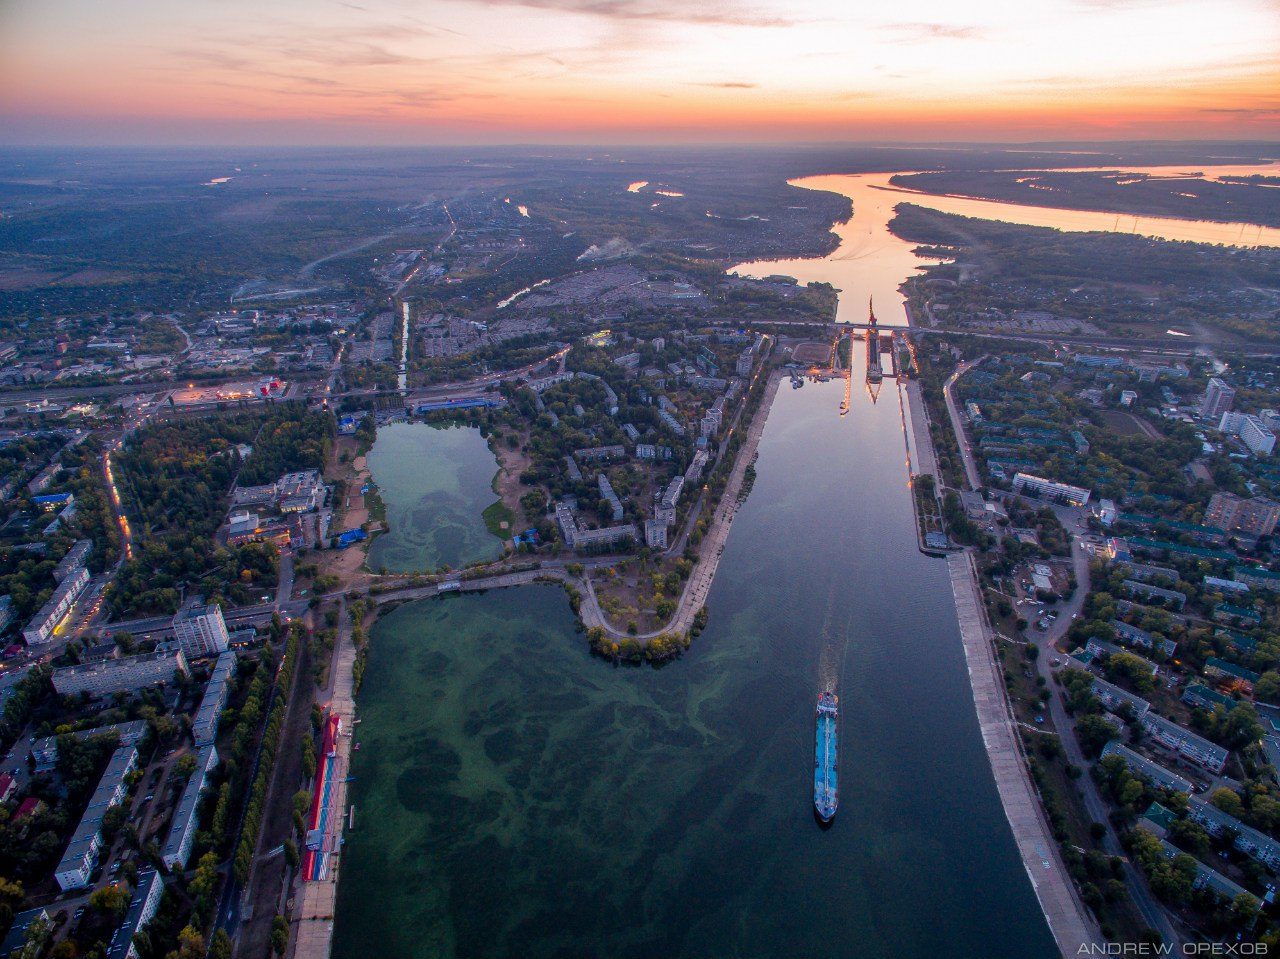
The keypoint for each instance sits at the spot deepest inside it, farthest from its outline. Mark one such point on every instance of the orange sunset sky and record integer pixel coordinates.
(500, 71)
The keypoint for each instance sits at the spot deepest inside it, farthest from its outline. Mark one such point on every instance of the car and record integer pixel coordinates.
(79, 912)
(1039, 720)
(148, 797)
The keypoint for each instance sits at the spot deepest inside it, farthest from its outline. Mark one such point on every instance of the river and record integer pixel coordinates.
(873, 262)
(517, 797)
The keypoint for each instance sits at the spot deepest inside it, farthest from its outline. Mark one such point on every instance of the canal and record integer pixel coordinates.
(517, 797)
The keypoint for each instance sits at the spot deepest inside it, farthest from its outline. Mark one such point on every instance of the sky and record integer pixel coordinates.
(287, 72)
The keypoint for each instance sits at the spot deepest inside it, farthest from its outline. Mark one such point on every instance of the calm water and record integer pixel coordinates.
(871, 261)
(516, 797)
(435, 483)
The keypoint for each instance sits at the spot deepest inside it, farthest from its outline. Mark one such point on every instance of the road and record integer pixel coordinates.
(957, 424)
(1097, 808)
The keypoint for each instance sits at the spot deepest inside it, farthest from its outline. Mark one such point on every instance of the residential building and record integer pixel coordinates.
(9, 683)
(1100, 647)
(129, 674)
(16, 937)
(1038, 486)
(73, 560)
(1113, 697)
(1133, 636)
(200, 631)
(81, 855)
(610, 497)
(1225, 585)
(142, 908)
(1206, 877)
(1218, 397)
(1144, 768)
(1255, 434)
(1200, 696)
(1230, 672)
(1258, 577)
(655, 534)
(1247, 840)
(204, 727)
(7, 613)
(1147, 591)
(1186, 743)
(43, 624)
(672, 423)
(45, 750)
(177, 848)
(571, 467)
(592, 453)
(1254, 516)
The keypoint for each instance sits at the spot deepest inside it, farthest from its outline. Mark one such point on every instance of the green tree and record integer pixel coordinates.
(111, 900)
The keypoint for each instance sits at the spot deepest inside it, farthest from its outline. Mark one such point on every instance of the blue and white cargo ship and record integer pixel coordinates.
(826, 750)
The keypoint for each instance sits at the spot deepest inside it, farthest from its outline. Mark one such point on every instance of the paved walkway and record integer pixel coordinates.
(1069, 920)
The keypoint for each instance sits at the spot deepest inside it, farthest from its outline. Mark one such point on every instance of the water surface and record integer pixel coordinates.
(436, 483)
(516, 797)
(872, 261)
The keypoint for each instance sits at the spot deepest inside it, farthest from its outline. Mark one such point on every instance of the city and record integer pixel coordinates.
(499, 485)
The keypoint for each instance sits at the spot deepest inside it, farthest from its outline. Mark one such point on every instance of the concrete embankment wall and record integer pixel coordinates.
(1068, 918)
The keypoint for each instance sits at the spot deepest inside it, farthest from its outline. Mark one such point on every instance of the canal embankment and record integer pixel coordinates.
(1069, 920)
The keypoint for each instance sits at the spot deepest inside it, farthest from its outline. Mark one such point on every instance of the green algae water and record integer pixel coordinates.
(436, 483)
(516, 797)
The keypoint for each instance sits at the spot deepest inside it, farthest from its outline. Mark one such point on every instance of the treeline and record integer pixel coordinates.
(266, 761)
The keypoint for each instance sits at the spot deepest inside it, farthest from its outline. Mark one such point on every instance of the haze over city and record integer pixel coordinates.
(605, 71)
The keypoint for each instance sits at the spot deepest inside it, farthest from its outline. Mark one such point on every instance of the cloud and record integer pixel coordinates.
(657, 10)
(728, 85)
(933, 31)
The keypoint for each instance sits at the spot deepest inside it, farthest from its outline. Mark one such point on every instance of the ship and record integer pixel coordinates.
(825, 781)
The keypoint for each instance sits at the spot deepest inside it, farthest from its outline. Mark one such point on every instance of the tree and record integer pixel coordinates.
(1228, 800)
(185, 765)
(113, 899)
(220, 945)
(279, 935)
(1267, 688)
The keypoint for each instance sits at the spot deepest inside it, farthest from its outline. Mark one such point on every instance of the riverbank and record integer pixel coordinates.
(1069, 920)
(697, 587)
